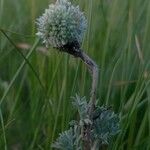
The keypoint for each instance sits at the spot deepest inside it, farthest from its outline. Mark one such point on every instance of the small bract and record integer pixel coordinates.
(61, 24)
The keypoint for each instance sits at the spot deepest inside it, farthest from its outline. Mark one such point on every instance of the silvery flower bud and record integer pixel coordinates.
(62, 25)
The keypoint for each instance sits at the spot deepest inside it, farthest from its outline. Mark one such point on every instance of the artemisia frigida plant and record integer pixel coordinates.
(62, 26)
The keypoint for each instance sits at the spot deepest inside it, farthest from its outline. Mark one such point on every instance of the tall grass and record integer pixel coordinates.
(117, 38)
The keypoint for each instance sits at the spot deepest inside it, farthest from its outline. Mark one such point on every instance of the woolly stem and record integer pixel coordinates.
(93, 68)
(74, 49)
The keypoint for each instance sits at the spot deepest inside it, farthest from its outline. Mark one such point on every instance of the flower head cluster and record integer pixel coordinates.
(61, 24)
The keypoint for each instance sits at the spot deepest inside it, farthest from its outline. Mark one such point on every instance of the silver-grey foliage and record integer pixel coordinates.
(104, 125)
(65, 141)
(70, 139)
(82, 106)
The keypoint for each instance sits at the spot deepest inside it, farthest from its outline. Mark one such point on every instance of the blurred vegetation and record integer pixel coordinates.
(118, 35)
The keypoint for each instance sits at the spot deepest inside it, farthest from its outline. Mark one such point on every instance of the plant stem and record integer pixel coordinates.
(93, 68)
(74, 49)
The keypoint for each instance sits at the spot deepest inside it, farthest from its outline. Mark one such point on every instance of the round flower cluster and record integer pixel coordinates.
(61, 24)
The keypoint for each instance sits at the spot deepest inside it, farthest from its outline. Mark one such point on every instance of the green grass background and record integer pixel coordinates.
(36, 107)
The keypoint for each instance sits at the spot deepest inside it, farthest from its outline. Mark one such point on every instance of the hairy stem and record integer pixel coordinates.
(74, 49)
(93, 68)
